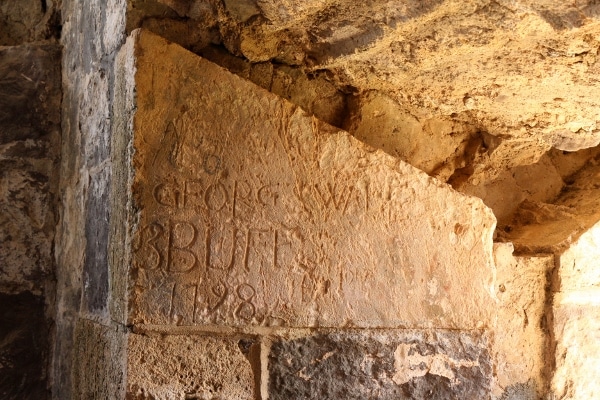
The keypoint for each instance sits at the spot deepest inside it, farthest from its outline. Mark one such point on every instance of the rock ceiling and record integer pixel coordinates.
(496, 98)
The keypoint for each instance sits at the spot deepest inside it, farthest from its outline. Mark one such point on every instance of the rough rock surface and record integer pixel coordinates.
(553, 226)
(473, 93)
(577, 333)
(24, 21)
(381, 365)
(92, 32)
(188, 367)
(576, 310)
(99, 362)
(29, 140)
(521, 341)
(252, 212)
(521, 73)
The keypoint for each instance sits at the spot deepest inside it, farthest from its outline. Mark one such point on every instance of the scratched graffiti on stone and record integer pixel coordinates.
(254, 213)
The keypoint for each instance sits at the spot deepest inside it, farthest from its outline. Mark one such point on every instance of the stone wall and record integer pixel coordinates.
(30, 99)
(192, 236)
(91, 34)
(327, 269)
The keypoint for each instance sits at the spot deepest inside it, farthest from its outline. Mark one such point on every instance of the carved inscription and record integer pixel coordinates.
(209, 250)
(232, 197)
(254, 213)
(182, 247)
(214, 245)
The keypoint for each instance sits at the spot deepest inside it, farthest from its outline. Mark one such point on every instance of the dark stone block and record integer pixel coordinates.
(23, 347)
(24, 21)
(382, 365)
(95, 270)
(30, 92)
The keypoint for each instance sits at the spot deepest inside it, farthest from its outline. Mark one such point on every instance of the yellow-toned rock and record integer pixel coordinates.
(176, 367)
(250, 212)
(521, 338)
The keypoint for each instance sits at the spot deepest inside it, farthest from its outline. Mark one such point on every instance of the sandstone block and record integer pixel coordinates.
(188, 367)
(521, 335)
(578, 265)
(577, 334)
(243, 210)
(380, 365)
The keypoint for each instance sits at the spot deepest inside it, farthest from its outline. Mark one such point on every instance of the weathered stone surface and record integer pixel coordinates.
(521, 334)
(95, 268)
(381, 365)
(555, 225)
(92, 31)
(314, 94)
(23, 21)
(540, 181)
(174, 367)
(576, 312)
(29, 148)
(523, 72)
(99, 362)
(253, 213)
(578, 265)
(24, 339)
(577, 335)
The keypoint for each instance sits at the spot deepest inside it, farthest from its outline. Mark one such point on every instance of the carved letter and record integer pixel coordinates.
(147, 249)
(246, 310)
(215, 245)
(256, 251)
(181, 238)
(279, 241)
(212, 164)
(266, 196)
(216, 197)
(193, 193)
(331, 196)
(241, 195)
(168, 195)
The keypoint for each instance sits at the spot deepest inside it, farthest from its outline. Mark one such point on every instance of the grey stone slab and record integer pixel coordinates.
(380, 365)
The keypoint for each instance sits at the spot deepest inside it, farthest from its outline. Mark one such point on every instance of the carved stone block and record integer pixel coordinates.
(240, 209)
(190, 367)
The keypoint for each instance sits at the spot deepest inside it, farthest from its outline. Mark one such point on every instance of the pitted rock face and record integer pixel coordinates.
(253, 213)
(383, 365)
(522, 71)
(190, 367)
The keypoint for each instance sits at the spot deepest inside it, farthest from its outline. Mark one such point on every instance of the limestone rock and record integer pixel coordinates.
(556, 225)
(521, 336)
(521, 71)
(576, 311)
(383, 365)
(577, 332)
(253, 213)
(177, 367)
